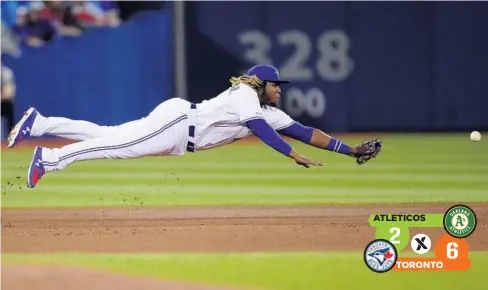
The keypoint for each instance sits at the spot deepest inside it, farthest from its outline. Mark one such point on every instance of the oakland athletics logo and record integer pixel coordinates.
(459, 221)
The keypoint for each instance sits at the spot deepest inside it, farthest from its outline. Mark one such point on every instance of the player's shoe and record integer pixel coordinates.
(22, 129)
(36, 168)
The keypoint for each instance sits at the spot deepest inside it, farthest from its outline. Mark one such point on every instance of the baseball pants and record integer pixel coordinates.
(163, 132)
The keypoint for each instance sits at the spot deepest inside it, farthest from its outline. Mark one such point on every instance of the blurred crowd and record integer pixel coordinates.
(37, 22)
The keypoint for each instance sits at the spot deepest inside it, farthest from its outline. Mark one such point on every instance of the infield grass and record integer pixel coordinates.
(411, 168)
(280, 271)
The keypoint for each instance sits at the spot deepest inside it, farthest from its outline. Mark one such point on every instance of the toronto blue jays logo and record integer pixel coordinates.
(380, 256)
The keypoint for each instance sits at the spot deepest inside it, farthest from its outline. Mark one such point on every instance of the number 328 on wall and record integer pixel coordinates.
(332, 62)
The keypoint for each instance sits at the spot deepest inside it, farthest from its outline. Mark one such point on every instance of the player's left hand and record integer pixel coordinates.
(307, 162)
(367, 150)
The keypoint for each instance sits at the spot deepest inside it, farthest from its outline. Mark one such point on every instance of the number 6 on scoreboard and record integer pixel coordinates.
(452, 250)
(393, 239)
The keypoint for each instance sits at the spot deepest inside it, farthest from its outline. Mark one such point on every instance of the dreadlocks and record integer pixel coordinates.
(252, 81)
(255, 83)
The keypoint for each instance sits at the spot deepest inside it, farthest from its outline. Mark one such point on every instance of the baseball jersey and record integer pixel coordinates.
(221, 120)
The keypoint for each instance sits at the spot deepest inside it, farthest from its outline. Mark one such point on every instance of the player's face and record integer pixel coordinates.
(272, 92)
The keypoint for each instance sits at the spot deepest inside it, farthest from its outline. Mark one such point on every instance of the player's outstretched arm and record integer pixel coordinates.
(261, 129)
(315, 137)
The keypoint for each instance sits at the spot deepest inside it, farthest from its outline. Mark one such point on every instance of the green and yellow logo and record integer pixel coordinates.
(459, 221)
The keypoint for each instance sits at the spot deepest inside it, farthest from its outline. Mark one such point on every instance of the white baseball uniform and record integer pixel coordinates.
(165, 131)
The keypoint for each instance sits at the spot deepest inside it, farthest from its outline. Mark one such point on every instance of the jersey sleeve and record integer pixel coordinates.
(277, 119)
(245, 103)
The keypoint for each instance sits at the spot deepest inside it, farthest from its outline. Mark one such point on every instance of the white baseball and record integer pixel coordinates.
(475, 136)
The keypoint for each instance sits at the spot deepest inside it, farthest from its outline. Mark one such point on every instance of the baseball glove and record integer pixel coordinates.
(367, 150)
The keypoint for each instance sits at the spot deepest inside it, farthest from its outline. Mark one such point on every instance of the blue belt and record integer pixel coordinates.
(190, 146)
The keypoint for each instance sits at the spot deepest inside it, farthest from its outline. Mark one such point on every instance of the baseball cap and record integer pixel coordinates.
(267, 73)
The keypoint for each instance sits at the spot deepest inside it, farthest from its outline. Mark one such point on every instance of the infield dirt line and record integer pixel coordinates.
(208, 229)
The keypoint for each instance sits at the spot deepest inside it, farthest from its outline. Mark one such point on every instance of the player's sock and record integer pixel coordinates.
(339, 147)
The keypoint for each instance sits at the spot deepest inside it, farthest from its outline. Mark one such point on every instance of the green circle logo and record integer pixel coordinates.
(460, 221)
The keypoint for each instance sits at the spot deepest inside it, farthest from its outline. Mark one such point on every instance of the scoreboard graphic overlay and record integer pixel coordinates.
(392, 236)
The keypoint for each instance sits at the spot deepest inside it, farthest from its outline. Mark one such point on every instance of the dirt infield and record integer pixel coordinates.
(190, 229)
(208, 229)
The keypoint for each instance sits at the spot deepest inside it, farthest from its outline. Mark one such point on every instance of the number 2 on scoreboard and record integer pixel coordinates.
(396, 232)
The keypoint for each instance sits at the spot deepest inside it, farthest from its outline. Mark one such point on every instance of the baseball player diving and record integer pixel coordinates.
(176, 126)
